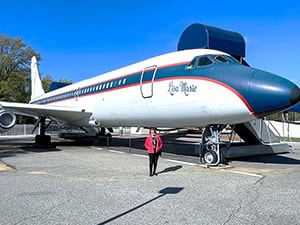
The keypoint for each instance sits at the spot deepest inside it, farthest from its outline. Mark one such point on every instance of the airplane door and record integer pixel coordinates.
(146, 81)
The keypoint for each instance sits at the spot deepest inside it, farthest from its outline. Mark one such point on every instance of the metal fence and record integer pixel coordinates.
(54, 128)
(27, 129)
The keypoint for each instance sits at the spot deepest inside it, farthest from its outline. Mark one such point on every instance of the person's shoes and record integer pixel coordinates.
(151, 175)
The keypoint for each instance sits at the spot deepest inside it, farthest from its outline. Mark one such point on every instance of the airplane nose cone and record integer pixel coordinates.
(271, 93)
(295, 95)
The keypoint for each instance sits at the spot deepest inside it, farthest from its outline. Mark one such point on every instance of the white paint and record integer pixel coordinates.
(181, 162)
(244, 173)
(114, 151)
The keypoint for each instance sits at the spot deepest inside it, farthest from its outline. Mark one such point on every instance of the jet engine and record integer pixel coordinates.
(7, 120)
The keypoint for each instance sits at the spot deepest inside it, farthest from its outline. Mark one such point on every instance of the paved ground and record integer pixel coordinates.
(96, 185)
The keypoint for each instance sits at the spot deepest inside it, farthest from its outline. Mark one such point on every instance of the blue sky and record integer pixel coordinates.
(81, 39)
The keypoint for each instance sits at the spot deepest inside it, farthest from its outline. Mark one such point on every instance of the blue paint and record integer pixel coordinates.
(203, 36)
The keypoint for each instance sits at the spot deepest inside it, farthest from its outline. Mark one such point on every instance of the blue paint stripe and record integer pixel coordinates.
(235, 77)
(125, 81)
(178, 71)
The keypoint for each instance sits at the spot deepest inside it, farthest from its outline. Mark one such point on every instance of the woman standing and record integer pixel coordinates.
(153, 144)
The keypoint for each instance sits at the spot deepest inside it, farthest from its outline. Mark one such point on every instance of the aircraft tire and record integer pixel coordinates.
(210, 157)
(43, 140)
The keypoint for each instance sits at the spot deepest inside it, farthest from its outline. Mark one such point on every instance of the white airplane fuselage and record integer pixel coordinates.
(190, 88)
(137, 96)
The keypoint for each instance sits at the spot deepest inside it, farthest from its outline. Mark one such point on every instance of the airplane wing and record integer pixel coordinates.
(68, 115)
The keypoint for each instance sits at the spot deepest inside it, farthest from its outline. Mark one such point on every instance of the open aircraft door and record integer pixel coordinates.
(146, 81)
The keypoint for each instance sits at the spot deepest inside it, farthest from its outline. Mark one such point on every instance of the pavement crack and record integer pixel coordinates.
(260, 179)
(234, 212)
(241, 203)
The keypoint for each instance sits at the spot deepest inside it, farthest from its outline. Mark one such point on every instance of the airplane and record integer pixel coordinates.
(188, 88)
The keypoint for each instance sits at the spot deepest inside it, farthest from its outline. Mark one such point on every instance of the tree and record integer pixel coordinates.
(46, 83)
(15, 60)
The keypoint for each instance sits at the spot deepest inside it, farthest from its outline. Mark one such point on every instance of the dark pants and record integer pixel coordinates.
(153, 158)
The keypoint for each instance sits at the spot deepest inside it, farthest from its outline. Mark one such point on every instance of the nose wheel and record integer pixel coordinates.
(210, 152)
(210, 157)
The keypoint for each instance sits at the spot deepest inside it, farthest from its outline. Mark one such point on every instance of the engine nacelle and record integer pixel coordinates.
(7, 120)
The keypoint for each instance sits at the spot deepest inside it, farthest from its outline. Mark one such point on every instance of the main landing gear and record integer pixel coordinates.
(102, 135)
(42, 139)
(90, 135)
(210, 147)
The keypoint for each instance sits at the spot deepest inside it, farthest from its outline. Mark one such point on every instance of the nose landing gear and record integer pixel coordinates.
(210, 147)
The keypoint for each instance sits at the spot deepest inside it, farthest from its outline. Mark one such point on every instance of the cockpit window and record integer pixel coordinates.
(191, 64)
(204, 61)
(231, 59)
(199, 61)
(221, 59)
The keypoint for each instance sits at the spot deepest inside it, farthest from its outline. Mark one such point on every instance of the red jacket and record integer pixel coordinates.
(149, 145)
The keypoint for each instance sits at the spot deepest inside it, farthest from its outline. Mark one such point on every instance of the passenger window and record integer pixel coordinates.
(204, 61)
(191, 64)
(221, 59)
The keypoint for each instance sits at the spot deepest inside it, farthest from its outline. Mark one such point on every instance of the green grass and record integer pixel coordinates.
(293, 139)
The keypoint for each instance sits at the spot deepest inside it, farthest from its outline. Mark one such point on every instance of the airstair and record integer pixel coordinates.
(258, 139)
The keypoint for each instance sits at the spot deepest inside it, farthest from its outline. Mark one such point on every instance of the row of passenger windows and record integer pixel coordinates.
(86, 90)
(99, 87)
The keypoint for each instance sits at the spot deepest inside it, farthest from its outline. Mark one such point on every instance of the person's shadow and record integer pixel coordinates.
(170, 169)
